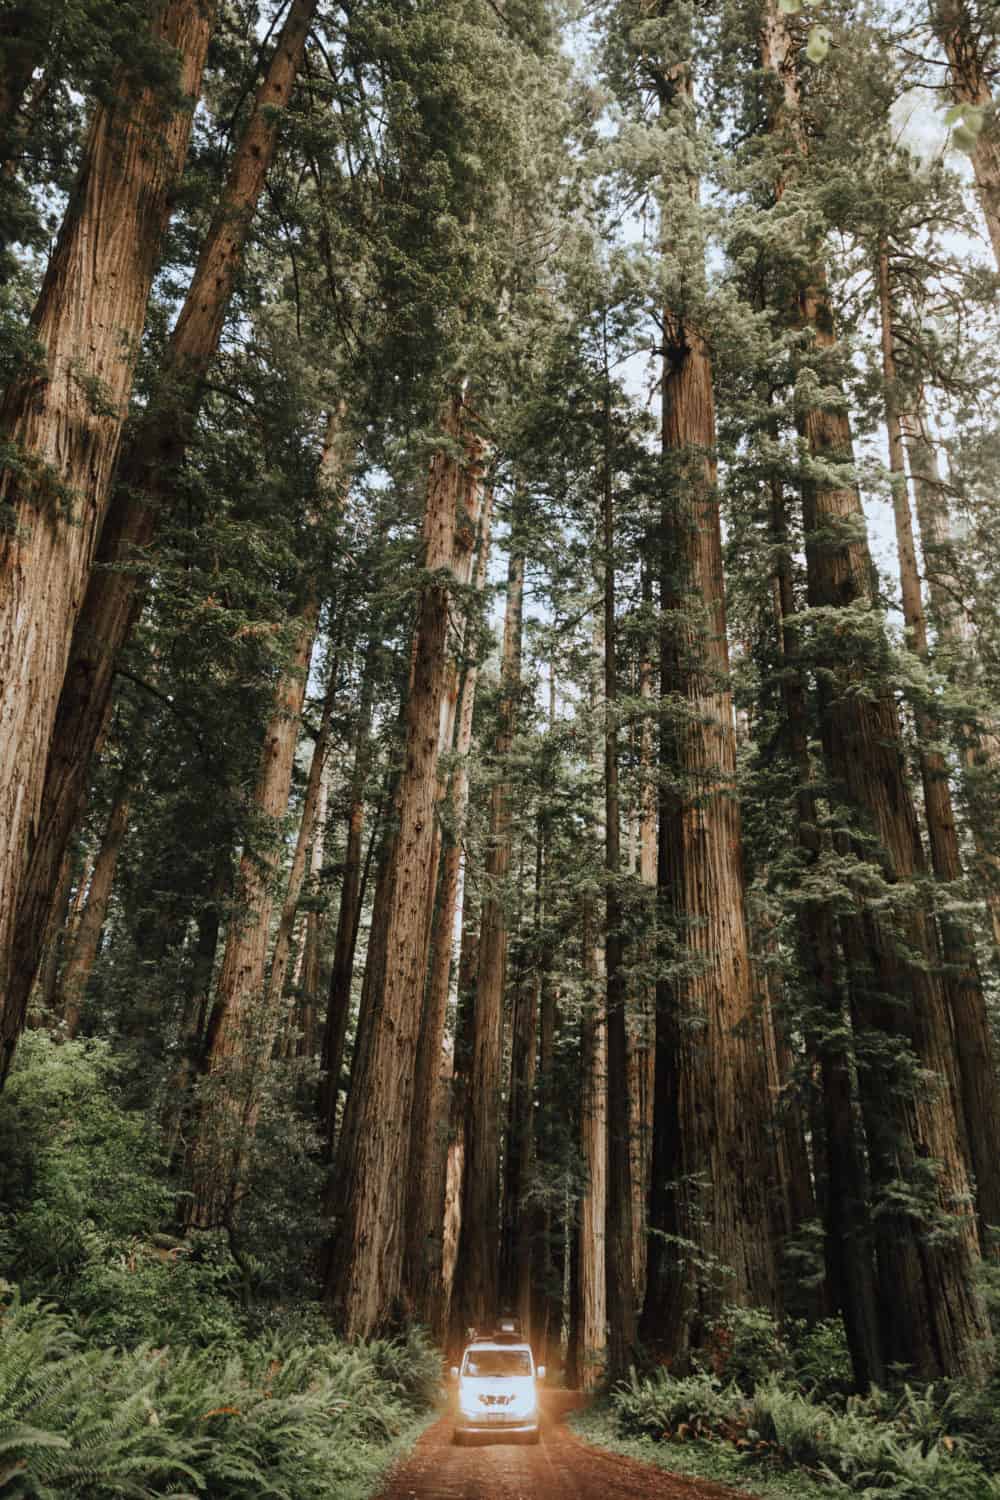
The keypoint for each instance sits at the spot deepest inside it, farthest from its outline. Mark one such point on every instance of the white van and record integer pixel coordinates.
(497, 1390)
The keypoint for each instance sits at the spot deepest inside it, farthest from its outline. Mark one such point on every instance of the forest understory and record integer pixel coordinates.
(499, 742)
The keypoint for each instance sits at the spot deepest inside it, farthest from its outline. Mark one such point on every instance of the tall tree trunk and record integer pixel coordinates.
(430, 1131)
(312, 954)
(47, 980)
(306, 837)
(642, 1053)
(619, 1248)
(366, 1264)
(712, 1111)
(979, 744)
(338, 1009)
(933, 1316)
(515, 1258)
(590, 1332)
(468, 964)
(65, 424)
(241, 1025)
(476, 1289)
(194, 1010)
(145, 483)
(980, 1095)
(87, 941)
(849, 1250)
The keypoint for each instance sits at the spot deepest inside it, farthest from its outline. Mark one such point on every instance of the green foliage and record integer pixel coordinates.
(85, 1198)
(910, 1447)
(820, 1358)
(289, 1419)
(75, 1167)
(745, 1346)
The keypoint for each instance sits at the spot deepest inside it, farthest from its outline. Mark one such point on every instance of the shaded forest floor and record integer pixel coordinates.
(561, 1467)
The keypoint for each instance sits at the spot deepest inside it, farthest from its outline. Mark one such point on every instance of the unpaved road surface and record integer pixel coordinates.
(560, 1467)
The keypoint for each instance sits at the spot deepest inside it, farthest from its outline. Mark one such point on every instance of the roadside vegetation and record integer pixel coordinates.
(776, 1416)
(136, 1362)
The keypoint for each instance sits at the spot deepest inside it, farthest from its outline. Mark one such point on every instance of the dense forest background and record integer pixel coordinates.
(499, 730)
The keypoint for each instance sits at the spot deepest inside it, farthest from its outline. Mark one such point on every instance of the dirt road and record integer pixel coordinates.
(560, 1467)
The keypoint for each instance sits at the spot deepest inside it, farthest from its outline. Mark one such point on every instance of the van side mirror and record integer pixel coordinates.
(454, 1372)
(540, 1372)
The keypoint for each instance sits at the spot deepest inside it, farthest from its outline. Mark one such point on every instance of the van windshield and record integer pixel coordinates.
(497, 1362)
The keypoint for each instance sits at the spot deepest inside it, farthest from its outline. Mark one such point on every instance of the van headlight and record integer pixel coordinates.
(523, 1404)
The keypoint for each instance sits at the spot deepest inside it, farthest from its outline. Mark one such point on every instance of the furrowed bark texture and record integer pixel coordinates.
(476, 1289)
(64, 426)
(932, 1314)
(591, 1291)
(429, 1135)
(906, 1125)
(241, 1026)
(515, 1247)
(306, 836)
(849, 1249)
(144, 486)
(980, 1097)
(338, 1008)
(366, 1263)
(468, 963)
(711, 1151)
(619, 1247)
(642, 1049)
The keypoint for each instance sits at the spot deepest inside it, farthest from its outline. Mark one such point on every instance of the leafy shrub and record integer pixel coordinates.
(72, 1162)
(85, 1193)
(878, 1447)
(820, 1359)
(658, 1406)
(295, 1421)
(745, 1346)
(410, 1365)
(974, 1412)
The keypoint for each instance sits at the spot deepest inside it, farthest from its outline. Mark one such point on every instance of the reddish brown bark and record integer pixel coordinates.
(338, 1010)
(642, 1051)
(476, 1289)
(65, 424)
(619, 1248)
(849, 1250)
(590, 1310)
(932, 1314)
(144, 486)
(712, 1110)
(980, 1097)
(281, 956)
(366, 1263)
(241, 1028)
(468, 963)
(429, 1136)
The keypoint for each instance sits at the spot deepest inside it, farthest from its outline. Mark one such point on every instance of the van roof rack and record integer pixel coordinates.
(508, 1328)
